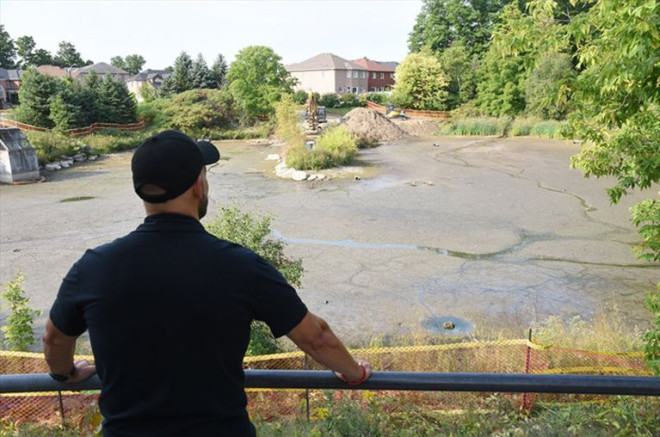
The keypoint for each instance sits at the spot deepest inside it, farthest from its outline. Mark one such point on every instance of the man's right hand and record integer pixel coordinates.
(365, 374)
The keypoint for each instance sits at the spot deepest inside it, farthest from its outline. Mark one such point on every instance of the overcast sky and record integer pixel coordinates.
(160, 30)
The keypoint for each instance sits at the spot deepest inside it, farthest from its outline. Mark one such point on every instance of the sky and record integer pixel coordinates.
(161, 30)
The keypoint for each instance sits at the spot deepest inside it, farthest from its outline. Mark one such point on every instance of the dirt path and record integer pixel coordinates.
(487, 230)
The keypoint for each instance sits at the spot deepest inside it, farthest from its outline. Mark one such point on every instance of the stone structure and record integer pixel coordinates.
(18, 159)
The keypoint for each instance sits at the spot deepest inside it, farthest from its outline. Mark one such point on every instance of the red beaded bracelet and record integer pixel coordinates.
(358, 381)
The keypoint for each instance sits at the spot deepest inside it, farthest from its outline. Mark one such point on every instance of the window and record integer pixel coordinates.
(373, 75)
(355, 74)
(340, 89)
(382, 75)
(348, 74)
(363, 74)
(391, 75)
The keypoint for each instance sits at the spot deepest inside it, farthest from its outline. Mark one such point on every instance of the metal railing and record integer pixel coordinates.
(463, 382)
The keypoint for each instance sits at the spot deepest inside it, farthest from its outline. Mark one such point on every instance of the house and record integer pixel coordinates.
(10, 83)
(154, 78)
(102, 69)
(380, 74)
(328, 73)
(53, 70)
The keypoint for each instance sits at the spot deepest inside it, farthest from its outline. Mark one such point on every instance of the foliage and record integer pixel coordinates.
(522, 126)
(339, 143)
(476, 126)
(148, 92)
(67, 56)
(288, 126)
(379, 98)
(461, 67)
(181, 77)
(443, 23)
(350, 100)
(35, 94)
(200, 74)
(18, 334)
(253, 232)
(301, 158)
(421, 83)
(652, 336)
(500, 87)
(300, 97)
(330, 100)
(546, 90)
(646, 216)
(132, 63)
(25, 49)
(64, 112)
(256, 79)
(114, 103)
(7, 49)
(219, 72)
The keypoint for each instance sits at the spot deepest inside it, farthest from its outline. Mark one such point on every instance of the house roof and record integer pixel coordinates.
(10, 74)
(150, 74)
(391, 64)
(101, 68)
(373, 65)
(324, 61)
(52, 70)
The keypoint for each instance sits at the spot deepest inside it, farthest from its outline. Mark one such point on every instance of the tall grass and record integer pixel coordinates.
(476, 126)
(337, 146)
(525, 126)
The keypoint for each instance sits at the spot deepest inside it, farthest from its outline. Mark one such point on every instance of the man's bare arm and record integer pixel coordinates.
(314, 336)
(58, 351)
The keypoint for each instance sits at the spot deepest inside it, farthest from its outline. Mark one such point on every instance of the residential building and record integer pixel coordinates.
(328, 73)
(53, 70)
(10, 83)
(102, 69)
(151, 77)
(380, 75)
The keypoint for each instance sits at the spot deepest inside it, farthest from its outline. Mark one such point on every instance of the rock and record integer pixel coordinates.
(299, 175)
(92, 157)
(66, 164)
(273, 157)
(52, 167)
(321, 177)
(312, 177)
(80, 157)
(282, 171)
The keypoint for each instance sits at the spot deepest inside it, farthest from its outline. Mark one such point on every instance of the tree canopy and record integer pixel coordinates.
(256, 79)
(7, 49)
(421, 83)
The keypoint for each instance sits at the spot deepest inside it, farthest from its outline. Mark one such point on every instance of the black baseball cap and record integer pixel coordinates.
(170, 161)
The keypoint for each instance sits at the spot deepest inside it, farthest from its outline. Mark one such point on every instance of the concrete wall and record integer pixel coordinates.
(319, 81)
(18, 159)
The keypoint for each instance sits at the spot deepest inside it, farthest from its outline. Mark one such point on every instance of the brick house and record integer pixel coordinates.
(328, 73)
(152, 77)
(380, 75)
(10, 83)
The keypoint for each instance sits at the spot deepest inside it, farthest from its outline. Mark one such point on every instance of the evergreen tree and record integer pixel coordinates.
(182, 74)
(115, 104)
(34, 95)
(65, 109)
(167, 87)
(219, 72)
(200, 73)
(7, 49)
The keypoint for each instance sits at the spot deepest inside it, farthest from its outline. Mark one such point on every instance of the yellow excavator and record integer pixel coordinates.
(315, 115)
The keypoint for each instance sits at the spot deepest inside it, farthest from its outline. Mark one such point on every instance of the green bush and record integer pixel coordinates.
(336, 146)
(476, 126)
(379, 98)
(300, 97)
(330, 100)
(350, 100)
(18, 333)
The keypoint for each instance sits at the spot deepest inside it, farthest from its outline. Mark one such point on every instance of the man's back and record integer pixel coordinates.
(168, 309)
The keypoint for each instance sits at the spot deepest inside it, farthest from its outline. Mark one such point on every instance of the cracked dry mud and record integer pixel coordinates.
(487, 230)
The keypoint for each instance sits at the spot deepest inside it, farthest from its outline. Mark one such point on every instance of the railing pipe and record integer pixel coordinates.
(317, 379)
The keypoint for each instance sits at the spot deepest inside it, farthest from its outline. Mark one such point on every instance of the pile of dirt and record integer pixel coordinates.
(371, 125)
(418, 127)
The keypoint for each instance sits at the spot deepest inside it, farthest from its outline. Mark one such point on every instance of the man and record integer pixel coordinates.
(169, 306)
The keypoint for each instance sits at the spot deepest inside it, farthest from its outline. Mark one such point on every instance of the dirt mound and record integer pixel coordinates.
(371, 125)
(418, 127)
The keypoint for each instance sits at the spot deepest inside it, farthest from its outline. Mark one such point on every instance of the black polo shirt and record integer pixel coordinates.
(168, 308)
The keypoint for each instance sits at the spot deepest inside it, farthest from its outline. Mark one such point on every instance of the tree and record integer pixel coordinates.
(67, 56)
(25, 46)
(115, 104)
(134, 63)
(18, 333)
(256, 79)
(118, 61)
(34, 95)
(200, 74)
(546, 93)
(65, 109)
(42, 57)
(219, 71)
(442, 23)
(182, 73)
(421, 83)
(7, 49)
(461, 67)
